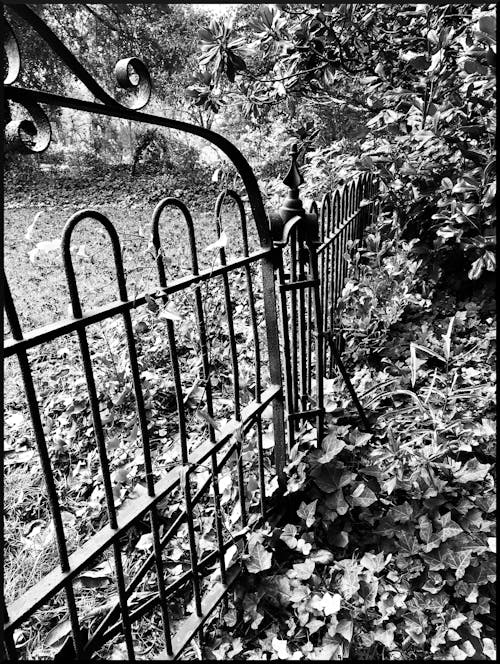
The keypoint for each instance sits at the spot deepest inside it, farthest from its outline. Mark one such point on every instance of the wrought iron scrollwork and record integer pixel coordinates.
(13, 58)
(34, 134)
(132, 74)
(29, 135)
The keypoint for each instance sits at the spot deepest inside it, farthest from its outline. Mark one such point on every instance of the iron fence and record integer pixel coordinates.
(296, 275)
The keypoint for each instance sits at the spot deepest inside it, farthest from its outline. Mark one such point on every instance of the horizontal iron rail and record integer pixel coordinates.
(31, 600)
(28, 97)
(149, 562)
(341, 228)
(148, 604)
(192, 624)
(296, 285)
(55, 330)
(302, 414)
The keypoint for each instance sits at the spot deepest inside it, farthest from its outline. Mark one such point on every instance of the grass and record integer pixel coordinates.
(41, 297)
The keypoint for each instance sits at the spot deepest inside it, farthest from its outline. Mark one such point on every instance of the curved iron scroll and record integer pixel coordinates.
(110, 107)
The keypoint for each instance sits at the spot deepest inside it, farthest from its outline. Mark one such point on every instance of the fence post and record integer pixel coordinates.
(298, 230)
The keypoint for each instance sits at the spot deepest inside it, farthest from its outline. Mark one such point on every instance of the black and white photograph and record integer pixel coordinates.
(249, 352)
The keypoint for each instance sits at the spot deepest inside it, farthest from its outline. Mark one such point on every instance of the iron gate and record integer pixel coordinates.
(301, 277)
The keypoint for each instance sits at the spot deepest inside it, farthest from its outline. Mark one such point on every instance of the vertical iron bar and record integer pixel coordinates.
(92, 392)
(255, 331)
(293, 294)
(234, 363)
(285, 328)
(203, 346)
(192, 541)
(43, 452)
(302, 252)
(272, 334)
(319, 332)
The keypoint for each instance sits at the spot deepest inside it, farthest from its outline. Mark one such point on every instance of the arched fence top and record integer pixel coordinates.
(68, 230)
(163, 205)
(30, 99)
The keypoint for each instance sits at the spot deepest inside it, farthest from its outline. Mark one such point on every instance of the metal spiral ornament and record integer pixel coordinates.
(29, 135)
(13, 58)
(23, 134)
(133, 75)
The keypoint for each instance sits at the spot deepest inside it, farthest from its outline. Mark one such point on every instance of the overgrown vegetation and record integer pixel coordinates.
(385, 545)
(382, 546)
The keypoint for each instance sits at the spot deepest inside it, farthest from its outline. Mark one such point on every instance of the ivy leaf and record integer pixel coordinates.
(457, 560)
(385, 635)
(330, 604)
(326, 652)
(307, 512)
(331, 447)
(401, 513)
(345, 629)
(330, 479)
(359, 438)
(362, 496)
(304, 570)
(349, 584)
(472, 471)
(258, 560)
(314, 624)
(288, 536)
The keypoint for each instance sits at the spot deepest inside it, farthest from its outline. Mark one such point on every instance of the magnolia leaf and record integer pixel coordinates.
(258, 560)
(219, 244)
(170, 313)
(341, 539)
(152, 305)
(307, 511)
(208, 418)
(472, 471)
(60, 631)
(145, 542)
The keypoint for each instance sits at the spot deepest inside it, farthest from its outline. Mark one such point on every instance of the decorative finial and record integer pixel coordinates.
(293, 178)
(292, 205)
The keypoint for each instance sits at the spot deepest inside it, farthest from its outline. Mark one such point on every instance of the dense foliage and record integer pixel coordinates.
(423, 79)
(382, 544)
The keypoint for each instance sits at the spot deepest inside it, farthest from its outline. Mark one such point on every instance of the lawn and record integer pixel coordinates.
(41, 297)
